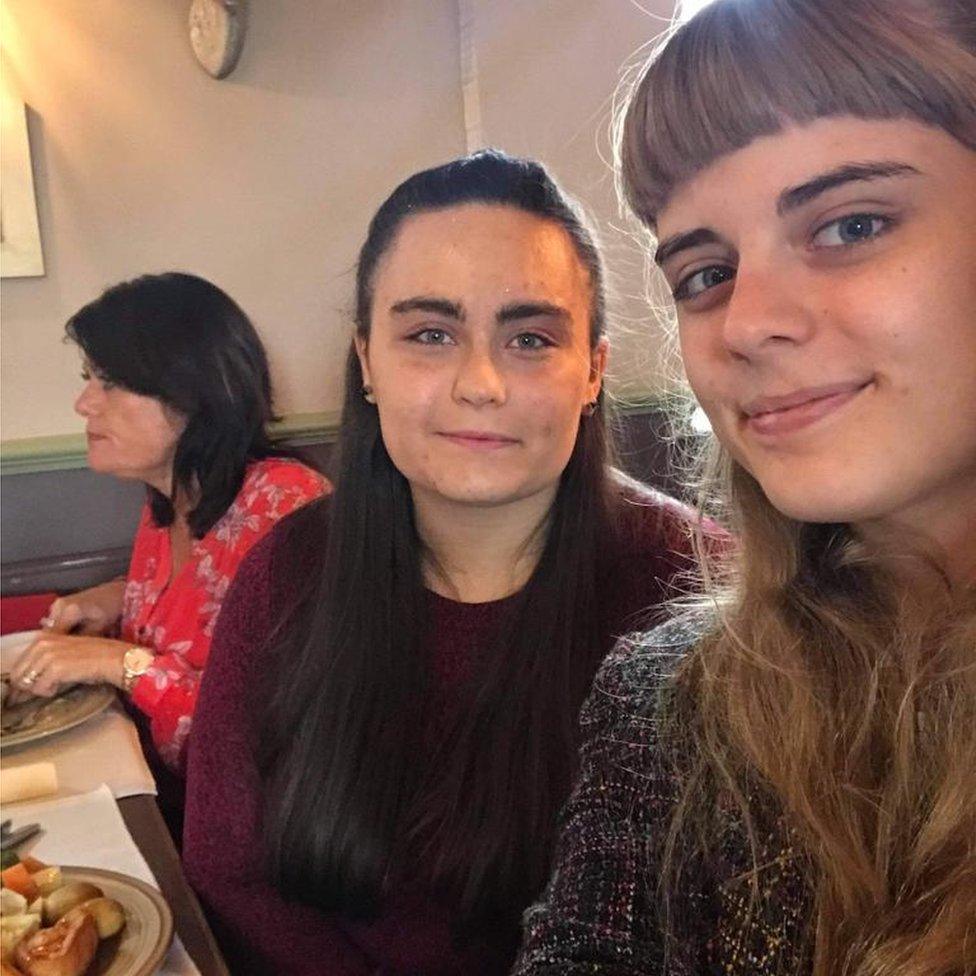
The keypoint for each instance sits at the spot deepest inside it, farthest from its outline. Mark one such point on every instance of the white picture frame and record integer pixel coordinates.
(20, 235)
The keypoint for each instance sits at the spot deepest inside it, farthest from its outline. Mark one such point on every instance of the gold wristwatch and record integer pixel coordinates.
(135, 663)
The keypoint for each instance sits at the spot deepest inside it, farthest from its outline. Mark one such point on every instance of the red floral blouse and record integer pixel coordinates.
(175, 618)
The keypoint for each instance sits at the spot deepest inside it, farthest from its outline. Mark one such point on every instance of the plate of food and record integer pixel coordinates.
(76, 921)
(38, 718)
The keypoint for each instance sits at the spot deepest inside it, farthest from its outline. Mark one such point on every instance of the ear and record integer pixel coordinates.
(598, 368)
(362, 351)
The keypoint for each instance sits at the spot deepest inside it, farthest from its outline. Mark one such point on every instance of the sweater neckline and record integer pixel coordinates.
(461, 607)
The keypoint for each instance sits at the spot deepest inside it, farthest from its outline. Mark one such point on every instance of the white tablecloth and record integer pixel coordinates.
(88, 831)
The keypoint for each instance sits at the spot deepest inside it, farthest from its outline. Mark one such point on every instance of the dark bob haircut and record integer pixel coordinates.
(182, 340)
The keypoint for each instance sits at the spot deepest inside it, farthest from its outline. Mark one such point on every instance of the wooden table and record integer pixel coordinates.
(145, 823)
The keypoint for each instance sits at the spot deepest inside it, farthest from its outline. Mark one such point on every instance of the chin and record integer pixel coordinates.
(485, 493)
(485, 497)
(825, 506)
(99, 464)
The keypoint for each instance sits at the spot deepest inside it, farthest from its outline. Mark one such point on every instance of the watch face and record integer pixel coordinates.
(136, 660)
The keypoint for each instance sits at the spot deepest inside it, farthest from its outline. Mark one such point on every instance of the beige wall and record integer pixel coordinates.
(547, 75)
(264, 182)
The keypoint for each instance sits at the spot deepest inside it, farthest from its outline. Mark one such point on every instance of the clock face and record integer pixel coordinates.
(217, 34)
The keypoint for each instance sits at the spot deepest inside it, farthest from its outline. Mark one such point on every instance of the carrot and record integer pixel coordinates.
(32, 864)
(17, 878)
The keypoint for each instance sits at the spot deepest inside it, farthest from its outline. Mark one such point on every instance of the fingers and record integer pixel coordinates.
(63, 615)
(42, 687)
(33, 683)
(38, 670)
(46, 684)
(27, 668)
(15, 696)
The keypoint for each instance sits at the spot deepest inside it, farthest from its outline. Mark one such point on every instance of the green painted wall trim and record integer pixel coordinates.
(62, 452)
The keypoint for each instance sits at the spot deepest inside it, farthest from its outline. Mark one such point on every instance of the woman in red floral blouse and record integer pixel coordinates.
(177, 395)
(174, 612)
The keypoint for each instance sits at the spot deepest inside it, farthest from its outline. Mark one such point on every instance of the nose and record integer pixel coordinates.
(479, 380)
(769, 310)
(87, 402)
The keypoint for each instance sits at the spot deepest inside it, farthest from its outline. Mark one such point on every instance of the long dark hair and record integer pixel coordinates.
(346, 798)
(181, 339)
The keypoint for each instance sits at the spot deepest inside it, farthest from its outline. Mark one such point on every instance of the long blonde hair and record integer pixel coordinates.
(844, 693)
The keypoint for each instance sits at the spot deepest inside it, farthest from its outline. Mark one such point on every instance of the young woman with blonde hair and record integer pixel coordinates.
(784, 780)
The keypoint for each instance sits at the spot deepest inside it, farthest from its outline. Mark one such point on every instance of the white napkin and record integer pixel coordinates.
(88, 831)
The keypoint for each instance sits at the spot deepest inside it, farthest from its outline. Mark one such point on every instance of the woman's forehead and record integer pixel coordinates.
(481, 245)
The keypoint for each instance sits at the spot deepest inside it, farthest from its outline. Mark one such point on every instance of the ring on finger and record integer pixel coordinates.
(46, 621)
(29, 678)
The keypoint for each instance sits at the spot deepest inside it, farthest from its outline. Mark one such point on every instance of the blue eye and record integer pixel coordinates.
(530, 341)
(852, 229)
(432, 337)
(702, 280)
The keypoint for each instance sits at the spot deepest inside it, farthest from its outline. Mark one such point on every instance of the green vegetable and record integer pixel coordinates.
(8, 859)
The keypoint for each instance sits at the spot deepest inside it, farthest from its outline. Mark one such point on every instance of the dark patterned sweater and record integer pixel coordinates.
(603, 911)
(261, 931)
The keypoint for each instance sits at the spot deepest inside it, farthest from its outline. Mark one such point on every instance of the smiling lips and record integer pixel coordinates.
(772, 416)
(478, 440)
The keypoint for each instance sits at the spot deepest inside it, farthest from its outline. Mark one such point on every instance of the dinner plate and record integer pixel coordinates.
(44, 718)
(140, 947)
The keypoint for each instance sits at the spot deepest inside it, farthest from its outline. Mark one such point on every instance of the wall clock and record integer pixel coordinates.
(217, 29)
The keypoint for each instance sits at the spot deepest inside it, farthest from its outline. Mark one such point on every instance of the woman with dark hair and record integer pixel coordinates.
(388, 728)
(784, 780)
(177, 395)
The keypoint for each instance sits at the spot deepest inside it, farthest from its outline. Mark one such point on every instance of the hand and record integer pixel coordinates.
(54, 661)
(91, 611)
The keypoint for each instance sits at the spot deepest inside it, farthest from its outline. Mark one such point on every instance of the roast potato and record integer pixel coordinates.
(108, 914)
(68, 896)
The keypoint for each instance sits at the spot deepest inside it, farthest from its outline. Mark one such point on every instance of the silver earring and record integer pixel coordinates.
(368, 394)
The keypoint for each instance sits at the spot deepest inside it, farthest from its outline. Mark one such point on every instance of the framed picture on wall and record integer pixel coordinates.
(20, 235)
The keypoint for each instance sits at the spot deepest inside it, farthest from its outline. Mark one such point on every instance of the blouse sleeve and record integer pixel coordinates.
(598, 913)
(223, 853)
(169, 690)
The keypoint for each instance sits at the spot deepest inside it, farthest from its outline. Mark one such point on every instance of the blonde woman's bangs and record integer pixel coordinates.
(743, 69)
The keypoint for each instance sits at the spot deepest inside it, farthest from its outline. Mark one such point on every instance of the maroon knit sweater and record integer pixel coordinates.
(259, 930)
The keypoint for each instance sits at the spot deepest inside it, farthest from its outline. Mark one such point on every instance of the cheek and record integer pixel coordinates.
(162, 434)
(405, 428)
(704, 373)
(554, 419)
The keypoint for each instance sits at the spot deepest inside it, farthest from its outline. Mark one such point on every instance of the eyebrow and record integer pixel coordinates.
(681, 242)
(508, 313)
(424, 303)
(792, 198)
(849, 173)
(530, 310)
